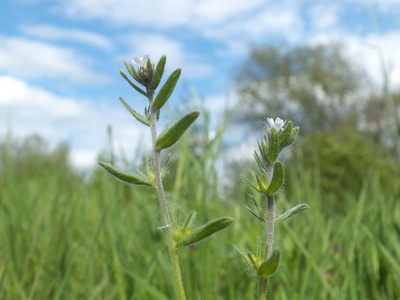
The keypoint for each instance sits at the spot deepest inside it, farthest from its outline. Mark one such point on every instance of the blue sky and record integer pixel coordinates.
(59, 60)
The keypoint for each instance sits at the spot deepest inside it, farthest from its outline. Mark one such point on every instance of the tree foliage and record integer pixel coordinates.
(316, 86)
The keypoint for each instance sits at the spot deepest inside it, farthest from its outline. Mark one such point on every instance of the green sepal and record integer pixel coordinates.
(133, 85)
(138, 116)
(293, 135)
(167, 89)
(158, 73)
(170, 137)
(129, 178)
(268, 267)
(285, 135)
(273, 149)
(292, 212)
(132, 72)
(149, 69)
(204, 231)
(277, 179)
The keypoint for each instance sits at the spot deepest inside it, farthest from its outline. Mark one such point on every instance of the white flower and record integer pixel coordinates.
(278, 124)
(142, 61)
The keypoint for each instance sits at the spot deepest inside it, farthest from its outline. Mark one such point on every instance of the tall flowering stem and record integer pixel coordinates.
(178, 236)
(268, 181)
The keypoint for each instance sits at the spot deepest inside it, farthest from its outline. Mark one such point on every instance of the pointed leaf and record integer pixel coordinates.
(254, 214)
(133, 85)
(188, 221)
(129, 178)
(167, 139)
(149, 68)
(158, 73)
(285, 135)
(167, 89)
(250, 183)
(277, 179)
(292, 212)
(132, 71)
(269, 266)
(138, 116)
(204, 231)
(273, 149)
(245, 257)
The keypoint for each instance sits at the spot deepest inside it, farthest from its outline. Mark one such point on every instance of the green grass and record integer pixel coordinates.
(62, 237)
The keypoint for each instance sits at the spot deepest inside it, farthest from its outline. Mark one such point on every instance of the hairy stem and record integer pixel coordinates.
(164, 207)
(270, 210)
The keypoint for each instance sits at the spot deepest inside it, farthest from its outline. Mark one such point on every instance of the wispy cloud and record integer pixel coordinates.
(157, 45)
(81, 123)
(35, 59)
(53, 33)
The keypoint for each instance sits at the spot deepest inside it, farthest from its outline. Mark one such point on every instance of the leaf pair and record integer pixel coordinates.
(263, 185)
(264, 268)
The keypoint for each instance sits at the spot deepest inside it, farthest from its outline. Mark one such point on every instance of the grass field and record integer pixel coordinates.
(63, 237)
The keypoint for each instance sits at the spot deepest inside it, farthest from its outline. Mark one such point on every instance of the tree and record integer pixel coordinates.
(316, 86)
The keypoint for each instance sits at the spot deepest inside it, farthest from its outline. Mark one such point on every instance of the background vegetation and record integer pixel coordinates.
(66, 235)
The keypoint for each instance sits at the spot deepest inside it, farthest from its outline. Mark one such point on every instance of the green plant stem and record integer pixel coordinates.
(270, 210)
(164, 207)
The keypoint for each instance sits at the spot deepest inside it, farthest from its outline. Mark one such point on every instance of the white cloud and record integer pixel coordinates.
(82, 124)
(366, 52)
(33, 59)
(324, 16)
(53, 33)
(157, 45)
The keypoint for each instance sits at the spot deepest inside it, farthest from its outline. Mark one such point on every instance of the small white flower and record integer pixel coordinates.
(278, 124)
(142, 61)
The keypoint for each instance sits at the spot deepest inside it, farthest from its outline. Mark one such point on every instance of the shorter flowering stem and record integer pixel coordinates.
(270, 210)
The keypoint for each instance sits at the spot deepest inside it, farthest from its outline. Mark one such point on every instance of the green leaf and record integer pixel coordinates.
(292, 212)
(273, 149)
(158, 73)
(277, 179)
(268, 267)
(149, 68)
(205, 231)
(132, 71)
(138, 116)
(133, 85)
(254, 214)
(285, 135)
(246, 257)
(189, 221)
(293, 135)
(250, 183)
(170, 137)
(167, 89)
(129, 178)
